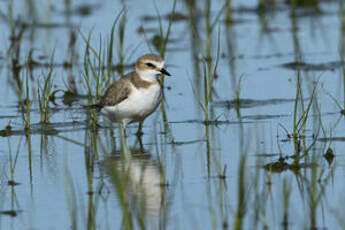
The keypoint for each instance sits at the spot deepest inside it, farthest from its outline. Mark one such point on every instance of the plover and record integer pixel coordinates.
(136, 95)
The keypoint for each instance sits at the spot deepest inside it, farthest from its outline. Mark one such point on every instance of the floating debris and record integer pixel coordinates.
(5, 132)
(278, 166)
(175, 17)
(142, 30)
(331, 139)
(314, 67)
(329, 156)
(259, 9)
(303, 3)
(45, 25)
(11, 213)
(263, 117)
(210, 122)
(266, 154)
(13, 183)
(250, 103)
(187, 142)
(281, 165)
(158, 41)
(41, 130)
(342, 112)
(70, 97)
(82, 10)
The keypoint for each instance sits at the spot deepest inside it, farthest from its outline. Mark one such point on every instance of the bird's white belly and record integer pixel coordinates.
(140, 104)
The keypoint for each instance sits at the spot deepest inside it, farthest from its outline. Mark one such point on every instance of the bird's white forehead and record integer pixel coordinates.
(159, 64)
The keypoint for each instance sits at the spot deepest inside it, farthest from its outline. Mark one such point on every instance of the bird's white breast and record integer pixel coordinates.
(140, 103)
(145, 101)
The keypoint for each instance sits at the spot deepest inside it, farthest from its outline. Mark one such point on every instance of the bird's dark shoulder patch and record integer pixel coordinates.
(116, 93)
(138, 82)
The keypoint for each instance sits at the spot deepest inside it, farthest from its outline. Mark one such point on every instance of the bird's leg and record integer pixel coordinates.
(123, 139)
(112, 135)
(123, 130)
(142, 150)
(139, 132)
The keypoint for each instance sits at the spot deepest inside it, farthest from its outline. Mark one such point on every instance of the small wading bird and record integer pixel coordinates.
(136, 95)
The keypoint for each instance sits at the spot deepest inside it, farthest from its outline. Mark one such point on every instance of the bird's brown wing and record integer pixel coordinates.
(117, 92)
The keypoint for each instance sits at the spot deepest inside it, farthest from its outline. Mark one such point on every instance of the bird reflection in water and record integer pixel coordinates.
(137, 182)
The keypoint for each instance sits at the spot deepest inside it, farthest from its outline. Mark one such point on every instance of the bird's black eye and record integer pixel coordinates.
(150, 65)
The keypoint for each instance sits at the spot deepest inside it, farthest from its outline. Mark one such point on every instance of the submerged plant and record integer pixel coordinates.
(44, 95)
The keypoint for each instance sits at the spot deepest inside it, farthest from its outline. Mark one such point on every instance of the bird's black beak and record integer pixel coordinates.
(163, 71)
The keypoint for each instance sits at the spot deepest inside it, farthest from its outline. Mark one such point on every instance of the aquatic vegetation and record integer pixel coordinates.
(44, 95)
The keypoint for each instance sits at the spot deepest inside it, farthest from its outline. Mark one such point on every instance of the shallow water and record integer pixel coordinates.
(240, 168)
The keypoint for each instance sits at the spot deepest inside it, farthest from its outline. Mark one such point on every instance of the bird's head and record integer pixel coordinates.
(150, 66)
